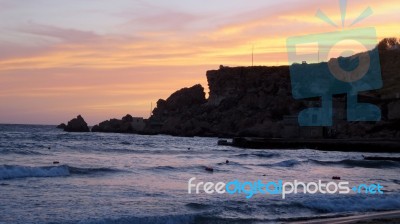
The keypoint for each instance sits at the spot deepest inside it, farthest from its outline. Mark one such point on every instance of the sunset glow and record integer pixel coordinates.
(105, 59)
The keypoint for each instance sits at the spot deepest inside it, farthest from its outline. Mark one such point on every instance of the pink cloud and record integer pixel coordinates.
(162, 50)
(64, 34)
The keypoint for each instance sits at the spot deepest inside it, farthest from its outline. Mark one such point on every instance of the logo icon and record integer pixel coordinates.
(356, 69)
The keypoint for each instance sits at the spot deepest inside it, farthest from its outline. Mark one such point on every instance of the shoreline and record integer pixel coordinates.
(347, 145)
(386, 217)
(344, 145)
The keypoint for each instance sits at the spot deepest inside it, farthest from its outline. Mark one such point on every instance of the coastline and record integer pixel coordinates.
(375, 217)
(348, 145)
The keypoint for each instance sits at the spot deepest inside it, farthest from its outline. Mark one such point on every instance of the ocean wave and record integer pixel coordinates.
(347, 163)
(259, 154)
(178, 168)
(306, 207)
(125, 143)
(165, 168)
(396, 181)
(197, 206)
(21, 152)
(176, 219)
(16, 171)
(350, 163)
(77, 170)
(285, 163)
(354, 203)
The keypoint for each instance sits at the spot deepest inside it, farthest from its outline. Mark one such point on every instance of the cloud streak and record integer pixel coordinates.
(140, 52)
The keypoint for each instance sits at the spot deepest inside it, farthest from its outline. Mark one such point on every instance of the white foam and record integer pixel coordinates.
(15, 171)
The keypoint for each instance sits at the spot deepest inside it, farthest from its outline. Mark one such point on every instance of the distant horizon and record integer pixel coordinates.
(109, 59)
(153, 104)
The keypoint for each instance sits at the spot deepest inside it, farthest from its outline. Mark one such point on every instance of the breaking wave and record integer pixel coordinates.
(16, 171)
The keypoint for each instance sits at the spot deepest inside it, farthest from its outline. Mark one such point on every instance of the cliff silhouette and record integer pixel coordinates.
(257, 101)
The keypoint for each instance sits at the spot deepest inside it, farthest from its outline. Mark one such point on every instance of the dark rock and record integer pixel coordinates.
(96, 128)
(240, 99)
(177, 114)
(127, 118)
(62, 126)
(257, 102)
(181, 100)
(77, 124)
(209, 169)
(127, 124)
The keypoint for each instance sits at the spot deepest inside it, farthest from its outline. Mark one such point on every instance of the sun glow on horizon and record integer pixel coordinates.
(110, 59)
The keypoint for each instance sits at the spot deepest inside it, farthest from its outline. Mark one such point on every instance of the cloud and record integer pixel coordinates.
(63, 69)
(146, 17)
(166, 20)
(63, 34)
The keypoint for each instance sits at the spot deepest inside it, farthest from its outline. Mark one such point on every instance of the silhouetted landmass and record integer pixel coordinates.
(127, 124)
(77, 124)
(61, 126)
(257, 101)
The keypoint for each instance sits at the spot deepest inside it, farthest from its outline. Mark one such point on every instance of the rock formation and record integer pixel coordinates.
(242, 101)
(61, 126)
(178, 114)
(257, 101)
(77, 124)
(127, 124)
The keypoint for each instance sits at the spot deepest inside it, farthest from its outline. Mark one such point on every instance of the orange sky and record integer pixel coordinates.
(110, 58)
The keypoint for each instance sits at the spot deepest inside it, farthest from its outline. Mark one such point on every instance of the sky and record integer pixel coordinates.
(104, 59)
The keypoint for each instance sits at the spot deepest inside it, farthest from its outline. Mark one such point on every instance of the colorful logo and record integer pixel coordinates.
(357, 69)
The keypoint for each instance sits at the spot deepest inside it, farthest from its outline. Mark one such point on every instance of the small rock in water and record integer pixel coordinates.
(56, 162)
(210, 169)
(227, 161)
(335, 178)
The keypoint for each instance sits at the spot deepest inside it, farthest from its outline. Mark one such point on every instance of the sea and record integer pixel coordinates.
(51, 176)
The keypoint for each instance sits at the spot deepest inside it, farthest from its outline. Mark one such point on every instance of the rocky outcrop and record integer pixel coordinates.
(242, 100)
(178, 114)
(77, 124)
(180, 101)
(257, 101)
(61, 126)
(127, 124)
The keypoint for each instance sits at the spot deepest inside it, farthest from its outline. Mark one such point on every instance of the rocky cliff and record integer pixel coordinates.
(126, 124)
(242, 101)
(257, 101)
(77, 124)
